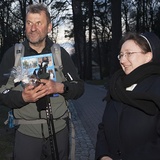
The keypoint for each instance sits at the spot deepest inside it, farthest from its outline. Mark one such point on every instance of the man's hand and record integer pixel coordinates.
(32, 94)
(52, 86)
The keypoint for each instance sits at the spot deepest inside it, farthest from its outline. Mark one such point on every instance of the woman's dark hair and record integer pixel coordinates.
(138, 39)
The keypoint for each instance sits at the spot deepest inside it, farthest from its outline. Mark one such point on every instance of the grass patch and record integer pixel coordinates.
(6, 135)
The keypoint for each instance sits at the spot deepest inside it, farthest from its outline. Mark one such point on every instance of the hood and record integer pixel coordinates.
(154, 43)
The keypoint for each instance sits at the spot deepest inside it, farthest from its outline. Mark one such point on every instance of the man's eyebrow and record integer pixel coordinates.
(33, 22)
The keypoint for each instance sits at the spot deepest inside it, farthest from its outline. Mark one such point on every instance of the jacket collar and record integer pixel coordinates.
(30, 51)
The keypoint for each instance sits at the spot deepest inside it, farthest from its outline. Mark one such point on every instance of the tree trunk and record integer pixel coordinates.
(88, 71)
(98, 51)
(116, 35)
(79, 35)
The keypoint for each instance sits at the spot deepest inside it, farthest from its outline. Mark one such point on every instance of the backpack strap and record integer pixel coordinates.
(18, 53)
(56, 50)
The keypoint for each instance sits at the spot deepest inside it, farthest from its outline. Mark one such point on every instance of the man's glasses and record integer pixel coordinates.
(127, 54)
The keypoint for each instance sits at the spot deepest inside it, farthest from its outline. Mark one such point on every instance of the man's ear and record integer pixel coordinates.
(149, 56)
(49, 27)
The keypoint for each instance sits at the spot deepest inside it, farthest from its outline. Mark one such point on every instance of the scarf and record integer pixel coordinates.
(146, 102)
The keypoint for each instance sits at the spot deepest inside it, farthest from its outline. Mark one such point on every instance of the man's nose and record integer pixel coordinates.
(34, 27)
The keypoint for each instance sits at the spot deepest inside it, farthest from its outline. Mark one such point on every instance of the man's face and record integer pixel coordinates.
(37, 27)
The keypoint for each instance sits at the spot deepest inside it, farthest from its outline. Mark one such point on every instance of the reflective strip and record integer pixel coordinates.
(23, 121)
(37, 121)
(5, 91)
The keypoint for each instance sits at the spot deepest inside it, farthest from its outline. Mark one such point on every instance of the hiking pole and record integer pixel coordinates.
(45, 103)
(51, 130)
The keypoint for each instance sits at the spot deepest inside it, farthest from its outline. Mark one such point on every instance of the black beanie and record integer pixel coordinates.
(154, 43)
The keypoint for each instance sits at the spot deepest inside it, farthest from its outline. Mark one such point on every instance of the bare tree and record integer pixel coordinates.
(102, 34)
(88, 69)
(79, 34)
(92, 24)
(116, 35)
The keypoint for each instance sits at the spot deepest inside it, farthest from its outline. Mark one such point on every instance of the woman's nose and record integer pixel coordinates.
(123, 59)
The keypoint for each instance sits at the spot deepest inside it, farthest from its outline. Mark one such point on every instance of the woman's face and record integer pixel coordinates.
(132, 56)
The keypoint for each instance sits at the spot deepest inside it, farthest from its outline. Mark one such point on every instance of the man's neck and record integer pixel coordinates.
(38, 47)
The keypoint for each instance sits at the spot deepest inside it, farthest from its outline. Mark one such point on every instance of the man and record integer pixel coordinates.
(31, 141)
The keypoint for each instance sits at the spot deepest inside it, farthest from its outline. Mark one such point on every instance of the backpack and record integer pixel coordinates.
(56, 52)
(18, 53)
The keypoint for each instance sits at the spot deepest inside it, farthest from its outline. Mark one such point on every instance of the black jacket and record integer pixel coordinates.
(128, 133)
(14, 98)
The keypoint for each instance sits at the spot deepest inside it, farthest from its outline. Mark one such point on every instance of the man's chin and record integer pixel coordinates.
(35, 42)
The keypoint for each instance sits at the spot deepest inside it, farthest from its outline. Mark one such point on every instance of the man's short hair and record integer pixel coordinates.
(38, 8)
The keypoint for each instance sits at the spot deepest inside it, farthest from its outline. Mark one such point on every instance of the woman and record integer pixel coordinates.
(130, 128)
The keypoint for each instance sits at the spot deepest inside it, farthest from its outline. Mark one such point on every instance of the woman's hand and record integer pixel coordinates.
(106, 158)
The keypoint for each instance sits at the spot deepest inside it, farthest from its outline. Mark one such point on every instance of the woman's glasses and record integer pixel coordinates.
(127, 54)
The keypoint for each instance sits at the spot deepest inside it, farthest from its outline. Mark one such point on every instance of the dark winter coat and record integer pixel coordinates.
(128, 132)
(30, 111)
(75, 89)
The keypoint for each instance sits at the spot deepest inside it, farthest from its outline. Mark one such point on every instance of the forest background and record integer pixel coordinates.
(94, 26)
